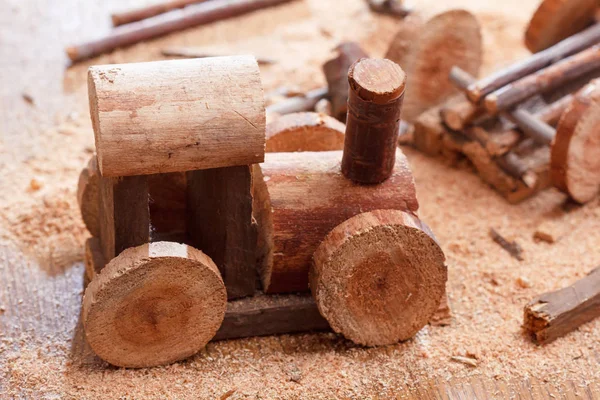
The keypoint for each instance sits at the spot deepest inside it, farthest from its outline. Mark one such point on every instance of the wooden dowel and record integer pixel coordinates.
(553, 111)
(138, 14)
(299, 103)
(554, 314)
(195, 15)
(197, 52)
(544, 80)
(374, 105)
(565, 48)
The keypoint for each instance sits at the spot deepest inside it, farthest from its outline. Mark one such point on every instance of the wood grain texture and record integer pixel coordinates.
(555, 20)
(178, 115)
(88, 196)
(302, 197)
(378, 277)
(139, 312)
(220, 223)
(554, 314)
(336, 74)
(450, 39)
(305, 131)
(575, 157)
(94, 259)
(374, 105)
(124, 214)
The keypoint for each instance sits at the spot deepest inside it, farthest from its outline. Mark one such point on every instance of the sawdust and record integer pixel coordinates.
(42, 353)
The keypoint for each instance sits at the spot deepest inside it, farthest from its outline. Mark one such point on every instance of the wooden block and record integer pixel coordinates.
(168, 204)
(154, 304)
(262, 315)
(554, 314)
(220, 224)
(301, 197)
(88, 197)
(179, 115)
(305, 131)
(94, 259)
(124, 214)
(378, 277)
(429, 132)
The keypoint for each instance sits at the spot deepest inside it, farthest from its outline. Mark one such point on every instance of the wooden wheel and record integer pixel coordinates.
(154, 304)
(428, 53)
(88, 196)
(378, 277)
(555, 20)
(305, 131)
(575, 157)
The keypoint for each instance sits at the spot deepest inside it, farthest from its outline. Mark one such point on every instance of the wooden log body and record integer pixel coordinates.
(153, 304)
(575, 158)
(554, 314)
(181, 115)
(220, 224)
(378, 277)
(88, 196)
(305, 131)
(300, 197)
(124, 214)
(374, 106)
(336, 74)
(555, 20)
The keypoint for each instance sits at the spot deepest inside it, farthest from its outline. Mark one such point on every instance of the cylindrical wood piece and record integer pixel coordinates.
(88, 196)
(378, 277)
(154, 304)
(374, 106)
(302, 196)
(544, 80)
(171, 116)
(138, 14)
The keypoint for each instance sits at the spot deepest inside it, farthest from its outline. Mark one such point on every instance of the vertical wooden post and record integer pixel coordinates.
(220, 224)
(374, 104)
(124, 214)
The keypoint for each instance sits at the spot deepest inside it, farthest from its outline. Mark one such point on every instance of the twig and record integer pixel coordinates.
(298, 103)
(197, 52)
(389, 7)
(176, 20)
(512, 248)
(138, 14)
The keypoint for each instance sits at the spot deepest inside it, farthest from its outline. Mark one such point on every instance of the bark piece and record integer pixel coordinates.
(554, 314)
(575, 158)
(88, 197)
(94, 259)
(449, 39)
(179, 115)
(300, 197)
(153, 305)
(374, 106)
(535, 62)
(336, 74)
(138, 14)
(305, 131)
(220, 224)
(195, 15)
(544, 80)
(262, 315)
(124, 214)
(555, 20)
(378, 277)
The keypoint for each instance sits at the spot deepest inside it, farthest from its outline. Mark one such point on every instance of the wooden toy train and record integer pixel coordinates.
(184, 217)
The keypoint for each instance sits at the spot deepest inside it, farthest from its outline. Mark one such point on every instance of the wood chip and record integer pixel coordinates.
(471, 362)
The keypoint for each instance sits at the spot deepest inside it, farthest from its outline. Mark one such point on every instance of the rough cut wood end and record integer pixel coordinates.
(178, 115)
(306, 131)
(139, 312)
(378, 277)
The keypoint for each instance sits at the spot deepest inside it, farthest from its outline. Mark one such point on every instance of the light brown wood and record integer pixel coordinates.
(219, 219)
(460, 114)
(153, 305)
(575, 158)
(94, 259)
(200, 52)
(306, 131)
(378, 277)
(301, 197)
(88, 196)
(554, 314)
(178, 115)
(138, 14)
(555, 20)
(449, 39)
